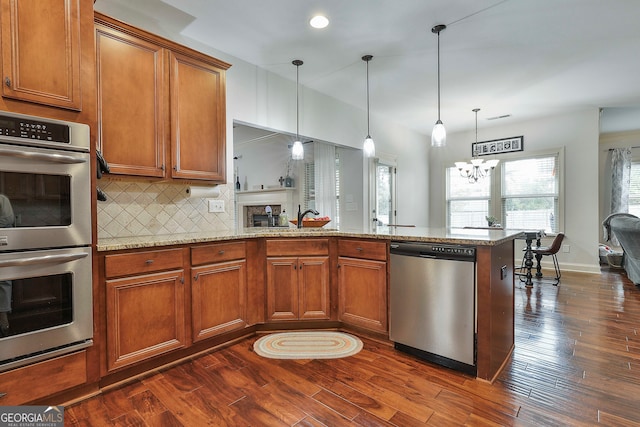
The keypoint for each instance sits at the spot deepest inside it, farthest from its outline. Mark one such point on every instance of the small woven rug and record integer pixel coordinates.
(307, 345)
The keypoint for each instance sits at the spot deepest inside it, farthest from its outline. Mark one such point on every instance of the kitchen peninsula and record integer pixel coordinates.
(241, 275)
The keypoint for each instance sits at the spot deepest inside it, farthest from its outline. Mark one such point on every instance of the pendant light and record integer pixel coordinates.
(297, 151)
(369, 147)
(477, 168)
(439, 134)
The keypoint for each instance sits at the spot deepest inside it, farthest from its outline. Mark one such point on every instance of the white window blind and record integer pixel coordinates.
(467, 203)
(309, 186)
(530, 193)
(634, 190)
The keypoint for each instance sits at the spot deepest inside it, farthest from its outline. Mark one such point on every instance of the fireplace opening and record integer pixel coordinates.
(256, 216)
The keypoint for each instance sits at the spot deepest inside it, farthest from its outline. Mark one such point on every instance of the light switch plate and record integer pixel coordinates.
(216, 205)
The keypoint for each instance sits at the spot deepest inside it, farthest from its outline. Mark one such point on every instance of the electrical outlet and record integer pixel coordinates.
(566, 248)
(216, 205)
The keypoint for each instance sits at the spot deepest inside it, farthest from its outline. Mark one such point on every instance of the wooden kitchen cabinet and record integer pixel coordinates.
(161, 106)
(362, 284)
(42, 66)
(218, 289)
(198, 119)
(298, 279)
(132, 130)
(145, 305)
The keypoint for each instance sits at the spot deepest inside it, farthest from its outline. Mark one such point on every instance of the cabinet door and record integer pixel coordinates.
(313, 277)
(132, 103)
(42, 66)
(145, 317)
(218, 298)
(197, 119)
(282, 288)
(362, 293)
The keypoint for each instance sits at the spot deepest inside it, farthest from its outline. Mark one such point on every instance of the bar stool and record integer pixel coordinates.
(552, 250)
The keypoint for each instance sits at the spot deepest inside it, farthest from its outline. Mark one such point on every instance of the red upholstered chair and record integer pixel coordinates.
(542, 251)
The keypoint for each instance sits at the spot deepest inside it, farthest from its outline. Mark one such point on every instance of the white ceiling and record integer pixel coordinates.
(524, 58)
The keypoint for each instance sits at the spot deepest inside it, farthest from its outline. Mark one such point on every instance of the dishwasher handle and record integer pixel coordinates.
(433, 250)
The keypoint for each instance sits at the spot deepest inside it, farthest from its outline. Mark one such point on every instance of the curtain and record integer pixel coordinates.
(325, 177)
(620, 180)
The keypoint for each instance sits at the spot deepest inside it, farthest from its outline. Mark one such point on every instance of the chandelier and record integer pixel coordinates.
(477, 168)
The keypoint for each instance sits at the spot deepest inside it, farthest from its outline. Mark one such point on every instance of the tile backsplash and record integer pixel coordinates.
(150, 209)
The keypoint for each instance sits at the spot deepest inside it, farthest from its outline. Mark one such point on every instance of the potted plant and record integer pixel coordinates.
(491, 220)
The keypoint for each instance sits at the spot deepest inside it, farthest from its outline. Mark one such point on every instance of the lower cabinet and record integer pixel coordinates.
(298, 279)
(362, 284)
(145, 312)
(218, 289)
(298, 288)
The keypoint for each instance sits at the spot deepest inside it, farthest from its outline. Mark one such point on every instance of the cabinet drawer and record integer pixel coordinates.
(280, 247)
(42, 379)
(366, 249)
(142, 262)
(219, 252)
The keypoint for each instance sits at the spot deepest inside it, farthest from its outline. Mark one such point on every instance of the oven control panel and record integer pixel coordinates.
(30, 129)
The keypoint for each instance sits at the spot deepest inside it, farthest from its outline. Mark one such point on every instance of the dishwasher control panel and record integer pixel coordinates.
(434, 250)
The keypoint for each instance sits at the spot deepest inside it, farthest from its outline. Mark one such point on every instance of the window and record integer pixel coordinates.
(309, 189)
(530, 193)
(467, 204)
(634, 189)
(523, 193)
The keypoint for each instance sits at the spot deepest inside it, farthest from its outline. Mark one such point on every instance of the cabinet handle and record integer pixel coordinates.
(295, 267)
(7, 82)
(359, 249)
(339, 266)
(182, 280)
(196, 276)
(149, 261)
(2, 395)
(220, 252)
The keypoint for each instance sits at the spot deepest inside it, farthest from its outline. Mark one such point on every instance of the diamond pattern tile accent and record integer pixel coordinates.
(151, 209)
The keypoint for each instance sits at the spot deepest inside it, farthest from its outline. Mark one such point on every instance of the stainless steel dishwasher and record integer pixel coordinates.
(433, 302)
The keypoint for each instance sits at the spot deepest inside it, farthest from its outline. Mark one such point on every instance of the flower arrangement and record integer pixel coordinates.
(491, 220)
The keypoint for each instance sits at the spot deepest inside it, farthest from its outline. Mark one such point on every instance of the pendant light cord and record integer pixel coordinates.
(297, 102)
(438, 75)
(368, 113)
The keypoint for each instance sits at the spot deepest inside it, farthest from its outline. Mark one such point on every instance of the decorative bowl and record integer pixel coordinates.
(311, 223)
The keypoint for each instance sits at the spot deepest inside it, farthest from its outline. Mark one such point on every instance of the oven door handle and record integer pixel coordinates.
(57, 158)
(47, 259)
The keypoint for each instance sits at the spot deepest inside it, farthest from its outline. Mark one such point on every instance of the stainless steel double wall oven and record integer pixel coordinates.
(45, 238)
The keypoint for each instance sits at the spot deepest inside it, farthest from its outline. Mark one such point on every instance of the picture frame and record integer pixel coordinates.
(497, 146)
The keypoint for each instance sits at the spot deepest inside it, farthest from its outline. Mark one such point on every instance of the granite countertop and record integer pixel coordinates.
(463, 236)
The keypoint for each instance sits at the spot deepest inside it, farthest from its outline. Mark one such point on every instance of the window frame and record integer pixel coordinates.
(495, 198)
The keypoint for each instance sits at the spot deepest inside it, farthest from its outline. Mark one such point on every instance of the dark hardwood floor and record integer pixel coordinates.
(576, 362)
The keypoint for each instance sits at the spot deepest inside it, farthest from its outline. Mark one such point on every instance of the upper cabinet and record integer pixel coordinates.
(161, 106)
(41, 52)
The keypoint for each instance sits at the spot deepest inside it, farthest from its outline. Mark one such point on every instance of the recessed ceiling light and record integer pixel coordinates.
(319, 21)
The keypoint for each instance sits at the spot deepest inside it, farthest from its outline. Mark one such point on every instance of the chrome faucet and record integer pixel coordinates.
(301, 215)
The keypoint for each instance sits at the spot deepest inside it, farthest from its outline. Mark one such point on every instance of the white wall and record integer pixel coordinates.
(578, 133)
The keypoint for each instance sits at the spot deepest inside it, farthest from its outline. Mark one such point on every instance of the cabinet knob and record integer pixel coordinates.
(149, 261)
(220, 252)
(359, 249)
(2, 395)
(7, 82)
